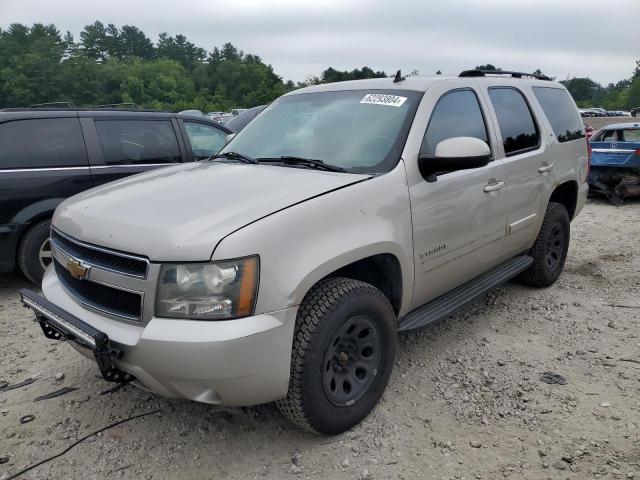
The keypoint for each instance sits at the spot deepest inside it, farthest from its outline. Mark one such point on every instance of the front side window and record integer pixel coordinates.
(519, 130)
(561, 112)
(457, 114)
(42, 143)
(205, 140)
(127, 142)
(361, 131)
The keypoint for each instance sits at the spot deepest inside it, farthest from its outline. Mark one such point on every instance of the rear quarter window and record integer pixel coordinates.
(42, 143)
(561, 112)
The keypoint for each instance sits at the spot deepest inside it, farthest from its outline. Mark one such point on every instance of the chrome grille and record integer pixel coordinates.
(111, 260)
(101, 297)
(109, 281)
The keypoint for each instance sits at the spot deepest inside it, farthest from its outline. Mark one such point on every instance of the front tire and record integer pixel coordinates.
(34, 251)
(549, 251)
(343, 352)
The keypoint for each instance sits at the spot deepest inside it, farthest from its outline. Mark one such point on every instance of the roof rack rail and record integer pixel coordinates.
(52, 105)
(129, 105)
(482, 73)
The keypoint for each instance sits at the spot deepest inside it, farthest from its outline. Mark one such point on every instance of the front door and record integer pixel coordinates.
(459, 219)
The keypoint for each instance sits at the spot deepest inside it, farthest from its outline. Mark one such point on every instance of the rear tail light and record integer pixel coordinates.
(638, 152)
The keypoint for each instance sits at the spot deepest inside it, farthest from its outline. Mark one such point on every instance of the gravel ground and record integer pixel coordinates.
(466, 399)
(599, 122)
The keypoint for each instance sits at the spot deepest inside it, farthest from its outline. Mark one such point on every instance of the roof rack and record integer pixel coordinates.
(128, 105)
(482, 73)
(53, 105)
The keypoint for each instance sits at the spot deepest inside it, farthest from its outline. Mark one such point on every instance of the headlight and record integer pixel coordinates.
(208, 291)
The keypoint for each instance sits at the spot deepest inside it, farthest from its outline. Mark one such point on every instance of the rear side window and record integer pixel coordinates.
(126, 142)
(631, 135)
(42, 143)
(519, 130)
(205, 140)
(457, 114)
(561, 112)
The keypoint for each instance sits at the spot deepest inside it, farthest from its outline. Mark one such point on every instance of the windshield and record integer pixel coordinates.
(362, 131)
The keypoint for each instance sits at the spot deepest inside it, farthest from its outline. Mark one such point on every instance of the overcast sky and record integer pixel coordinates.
(564, 38)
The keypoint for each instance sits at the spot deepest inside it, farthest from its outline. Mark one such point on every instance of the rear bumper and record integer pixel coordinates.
(234, 362)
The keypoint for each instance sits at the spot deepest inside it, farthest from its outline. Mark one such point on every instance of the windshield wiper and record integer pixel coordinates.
(234, 156)
(289, 160)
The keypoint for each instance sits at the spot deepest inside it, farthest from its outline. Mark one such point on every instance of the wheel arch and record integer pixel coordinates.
(566, 194)
(383, 271)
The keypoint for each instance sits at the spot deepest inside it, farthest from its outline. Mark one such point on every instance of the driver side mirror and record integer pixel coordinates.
(452, 154)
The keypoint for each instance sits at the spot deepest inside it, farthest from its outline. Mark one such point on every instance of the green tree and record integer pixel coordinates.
(94, 43)
(135, 43)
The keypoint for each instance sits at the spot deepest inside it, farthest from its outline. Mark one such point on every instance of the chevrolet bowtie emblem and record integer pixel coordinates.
(77, 269)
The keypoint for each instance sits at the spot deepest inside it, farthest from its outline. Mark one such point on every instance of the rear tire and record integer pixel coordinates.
(343, 352)
(34, 251)
(549, 251)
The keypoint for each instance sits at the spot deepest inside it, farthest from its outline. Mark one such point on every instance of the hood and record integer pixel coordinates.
(181, 213)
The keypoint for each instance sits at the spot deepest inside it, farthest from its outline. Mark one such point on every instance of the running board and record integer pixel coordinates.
(449, 302)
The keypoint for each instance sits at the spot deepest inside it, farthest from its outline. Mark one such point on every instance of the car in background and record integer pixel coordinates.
(193, 113)
(47, 155)
(212, 115)
(585, 112)
(618, 113)
(223, 118)
(599, 112)
(615, 161)
(237, 111)
(635, 112)
(239, 122)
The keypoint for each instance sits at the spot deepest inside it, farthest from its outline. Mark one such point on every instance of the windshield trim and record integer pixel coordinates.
(391, 160)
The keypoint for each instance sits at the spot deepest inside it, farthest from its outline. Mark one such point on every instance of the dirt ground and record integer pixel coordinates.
(466, 399)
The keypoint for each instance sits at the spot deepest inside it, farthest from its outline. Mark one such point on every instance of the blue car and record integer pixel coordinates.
(615, 161)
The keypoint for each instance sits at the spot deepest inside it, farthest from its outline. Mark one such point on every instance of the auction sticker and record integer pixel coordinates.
(382, 99)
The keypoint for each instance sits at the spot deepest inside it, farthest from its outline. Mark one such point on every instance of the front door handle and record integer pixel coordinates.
(493, 186)
(545, 168)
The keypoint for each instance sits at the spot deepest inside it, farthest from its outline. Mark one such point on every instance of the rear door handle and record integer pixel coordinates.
(493, 186)
(545, 168)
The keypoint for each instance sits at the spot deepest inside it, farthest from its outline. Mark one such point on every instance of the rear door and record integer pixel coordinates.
(120, 146)
(528, 161)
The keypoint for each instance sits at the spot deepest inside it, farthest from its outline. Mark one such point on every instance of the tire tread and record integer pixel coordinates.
(318, 303)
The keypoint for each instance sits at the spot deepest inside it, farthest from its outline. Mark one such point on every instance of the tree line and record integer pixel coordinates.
(623, 95)
(110, 65)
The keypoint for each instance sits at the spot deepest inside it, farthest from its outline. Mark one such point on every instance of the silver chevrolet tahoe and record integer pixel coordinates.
(283, 268)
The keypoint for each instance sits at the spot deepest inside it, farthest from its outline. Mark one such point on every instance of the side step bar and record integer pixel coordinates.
(446, 304)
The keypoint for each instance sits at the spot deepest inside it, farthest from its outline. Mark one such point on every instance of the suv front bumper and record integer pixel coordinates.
(232, 362)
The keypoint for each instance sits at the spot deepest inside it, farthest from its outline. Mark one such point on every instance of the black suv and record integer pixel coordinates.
(49, 155)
